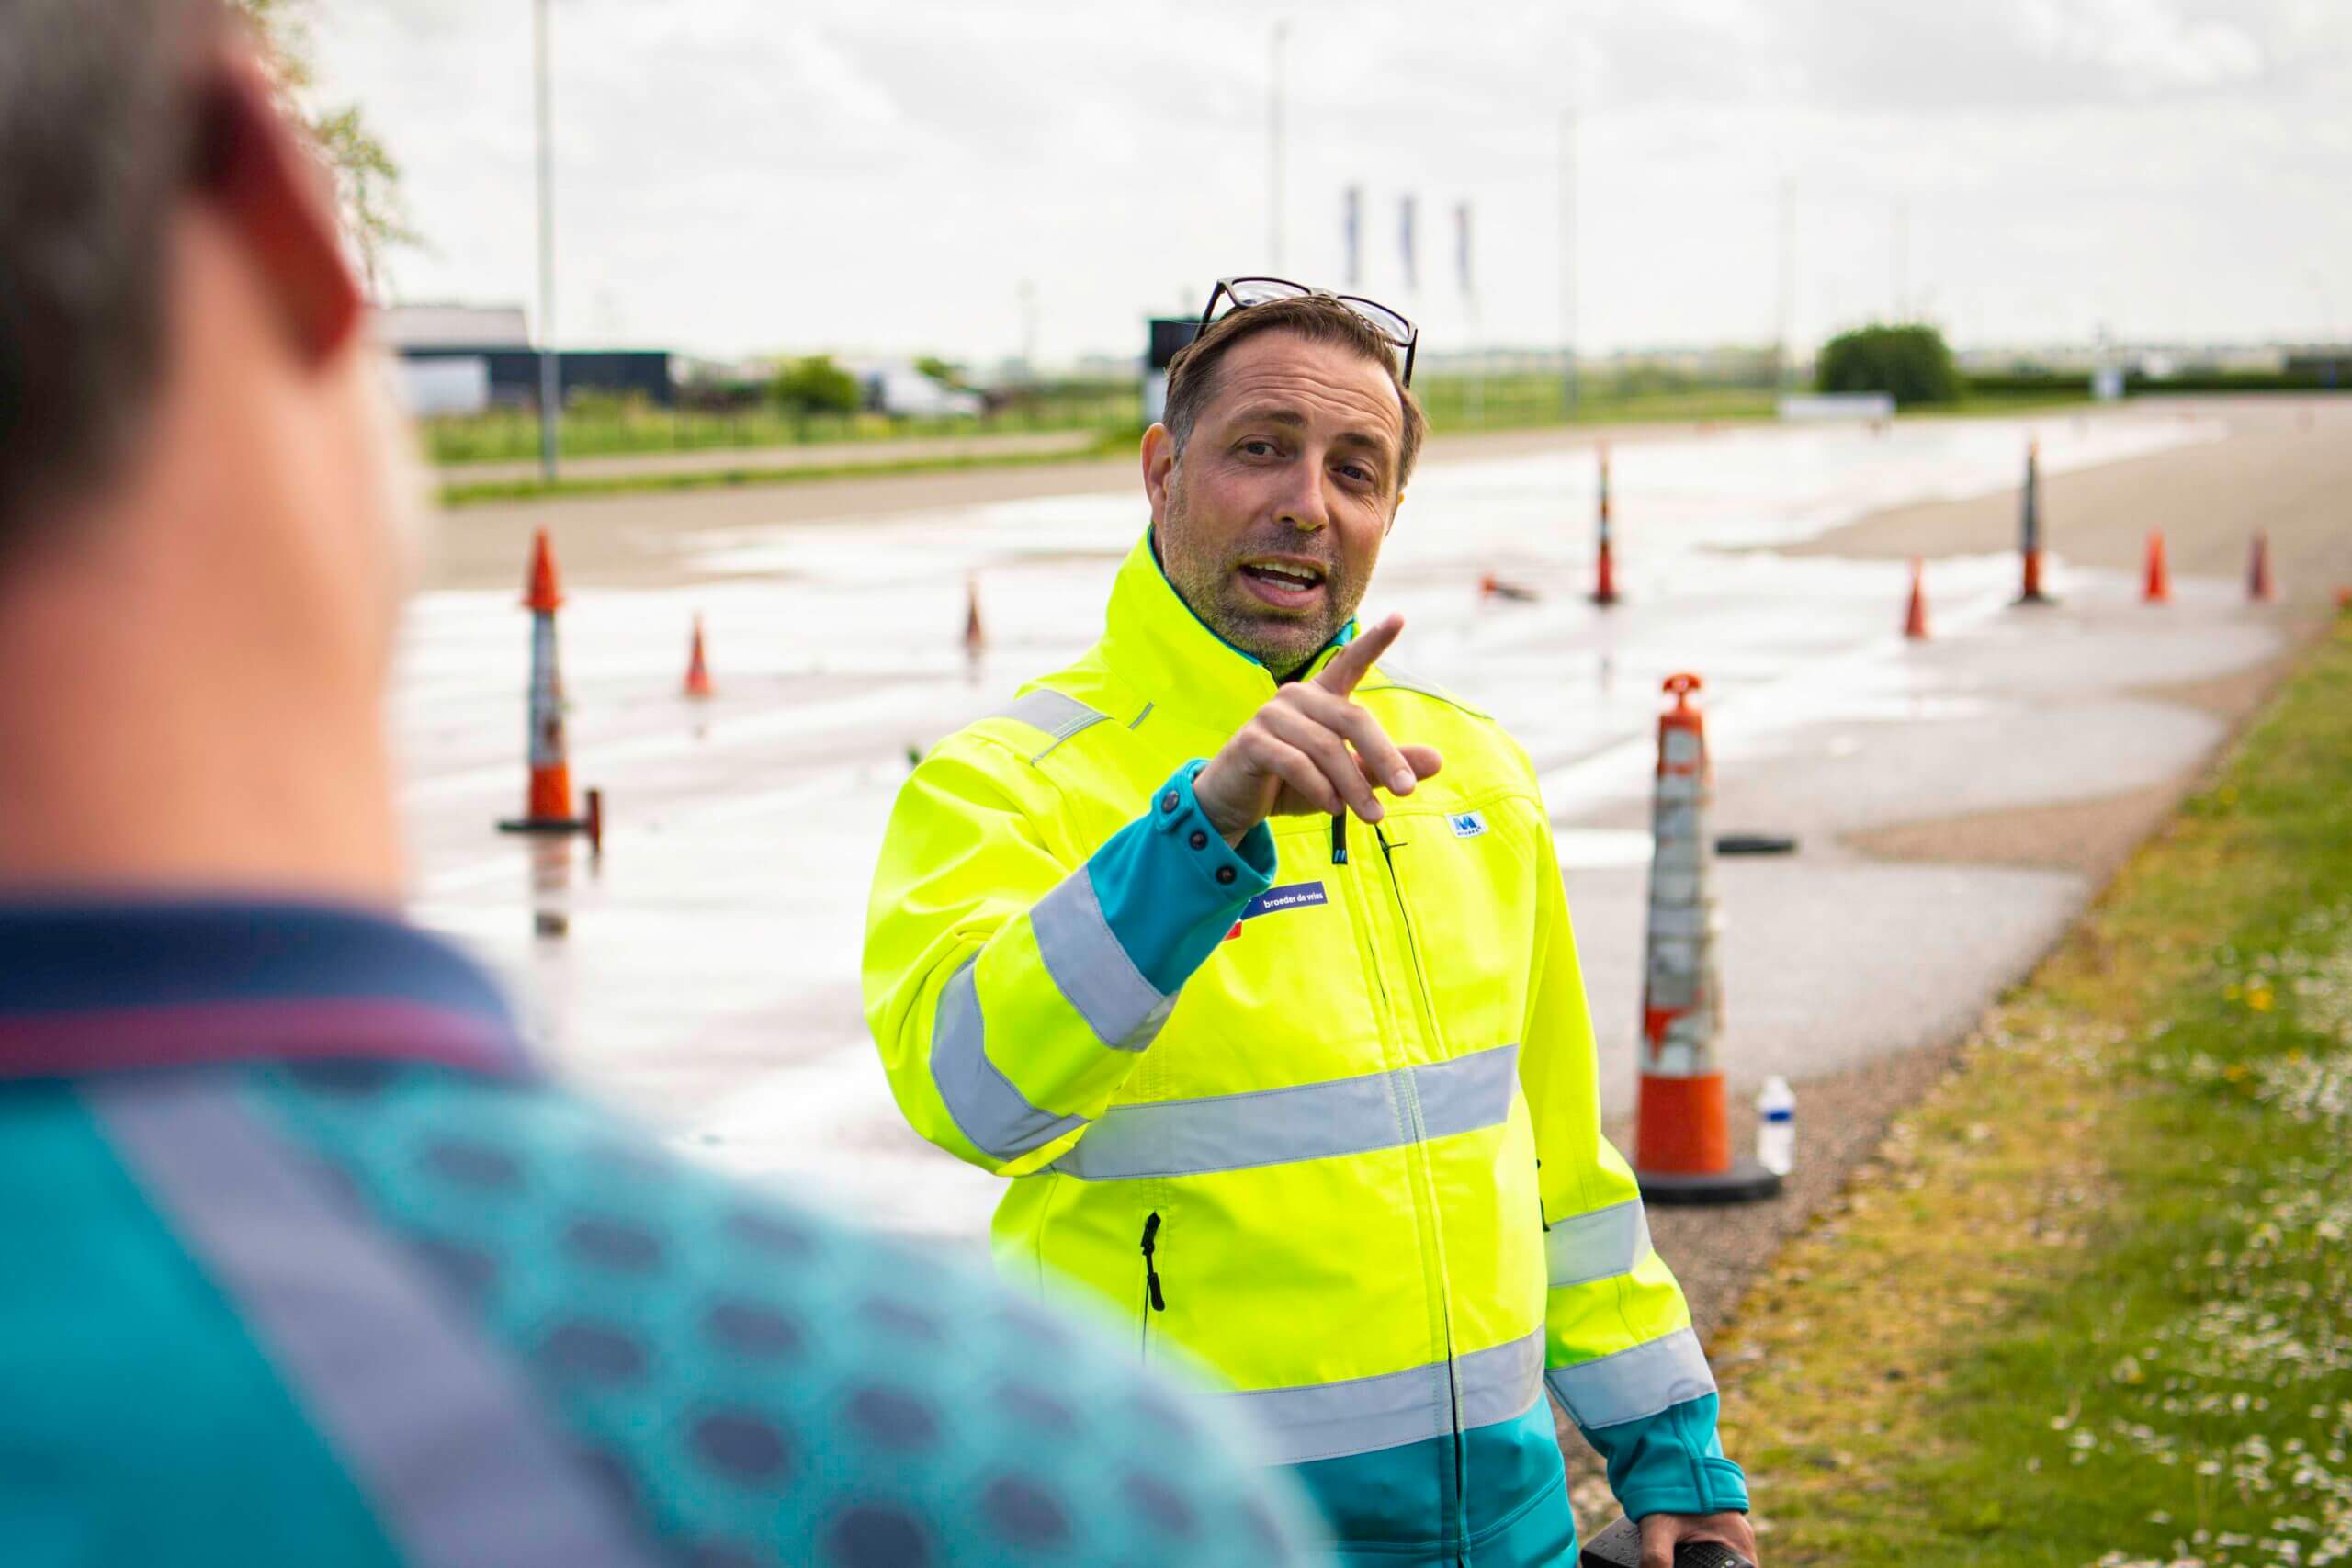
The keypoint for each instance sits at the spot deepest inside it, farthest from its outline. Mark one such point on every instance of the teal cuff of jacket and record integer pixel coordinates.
(1170, 886)
(1671, 1463)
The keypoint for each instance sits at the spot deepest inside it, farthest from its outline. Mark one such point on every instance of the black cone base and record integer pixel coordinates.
(2030, 599)
(544, 825)
(1745, 1182)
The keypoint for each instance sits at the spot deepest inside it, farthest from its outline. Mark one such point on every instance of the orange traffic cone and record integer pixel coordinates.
(2159, 589)
(1604, 584)
(1493, 587)
(1914, 622)
(975, 640)
(699, 667)
(1682, 1131)
(547, 805)
(2258, 586)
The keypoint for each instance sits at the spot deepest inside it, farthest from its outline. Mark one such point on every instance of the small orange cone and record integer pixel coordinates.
(699, 667)
(2343, 600)
(1914, 622)
(1682, 1131)
(2159, 589)
(548, 804)
(2258, 586)
(975, 640)
(1493, 587)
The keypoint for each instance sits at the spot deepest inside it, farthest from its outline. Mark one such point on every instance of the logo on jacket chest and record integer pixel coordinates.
(1466, 824)
(1273, 900)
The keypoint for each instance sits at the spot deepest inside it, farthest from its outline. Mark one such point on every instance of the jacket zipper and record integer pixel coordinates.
(1153, 1299)
(1420, 1132)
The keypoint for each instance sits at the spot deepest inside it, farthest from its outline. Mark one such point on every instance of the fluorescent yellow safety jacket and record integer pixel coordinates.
(1320, 1109)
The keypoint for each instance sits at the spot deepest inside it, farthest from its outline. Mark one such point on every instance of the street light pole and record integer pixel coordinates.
(1274, 145)
(550, 366)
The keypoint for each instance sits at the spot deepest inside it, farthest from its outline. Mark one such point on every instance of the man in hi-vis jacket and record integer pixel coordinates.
(1248, 959)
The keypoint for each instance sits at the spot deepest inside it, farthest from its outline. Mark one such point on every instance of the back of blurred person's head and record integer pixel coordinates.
(203, 494)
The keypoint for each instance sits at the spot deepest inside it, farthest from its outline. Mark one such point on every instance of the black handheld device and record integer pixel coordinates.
(1620, 1546)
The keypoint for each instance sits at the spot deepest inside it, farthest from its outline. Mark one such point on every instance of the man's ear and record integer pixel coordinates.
(1397, 506)
(256, 173)
(1159, 468)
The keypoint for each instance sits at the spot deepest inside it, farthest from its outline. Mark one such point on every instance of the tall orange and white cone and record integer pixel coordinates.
(1604, 582)
(1682, 1132)
(2029, 530)
(547, 804)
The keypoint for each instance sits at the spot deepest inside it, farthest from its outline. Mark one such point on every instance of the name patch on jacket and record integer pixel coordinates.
(1466, 824)
(1273, 900)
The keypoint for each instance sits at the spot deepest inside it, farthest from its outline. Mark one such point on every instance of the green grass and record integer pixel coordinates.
(1505, 402)
(597, 427)
(466, 492)
(2093, 1305)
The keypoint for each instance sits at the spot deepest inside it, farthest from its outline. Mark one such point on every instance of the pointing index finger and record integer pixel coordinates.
(1352, 663)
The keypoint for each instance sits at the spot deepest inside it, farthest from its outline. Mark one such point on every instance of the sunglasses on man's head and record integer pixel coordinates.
(1240, 293)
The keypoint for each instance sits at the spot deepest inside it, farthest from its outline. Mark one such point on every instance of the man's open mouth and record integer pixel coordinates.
(1283, 582)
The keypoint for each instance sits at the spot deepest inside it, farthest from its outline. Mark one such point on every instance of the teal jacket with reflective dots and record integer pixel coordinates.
(307, 1267)
(1317, 1113)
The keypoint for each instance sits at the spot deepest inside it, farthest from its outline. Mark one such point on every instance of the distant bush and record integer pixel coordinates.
(816, 385)
(1912, 364)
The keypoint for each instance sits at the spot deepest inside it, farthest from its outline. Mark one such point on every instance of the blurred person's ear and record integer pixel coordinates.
(255, 172)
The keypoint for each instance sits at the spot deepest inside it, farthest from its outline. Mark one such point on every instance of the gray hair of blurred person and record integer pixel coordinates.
(1192, 373)
(96, 136)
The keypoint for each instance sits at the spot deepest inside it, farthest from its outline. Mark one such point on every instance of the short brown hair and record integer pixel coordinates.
(1191, 374)
(95, 140)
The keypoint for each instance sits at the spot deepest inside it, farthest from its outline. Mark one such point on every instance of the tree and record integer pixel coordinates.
(945, 373)
(1913, 363)
(367, 178)
(816, 385)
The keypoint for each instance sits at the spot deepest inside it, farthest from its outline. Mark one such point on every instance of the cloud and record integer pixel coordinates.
(735, 176)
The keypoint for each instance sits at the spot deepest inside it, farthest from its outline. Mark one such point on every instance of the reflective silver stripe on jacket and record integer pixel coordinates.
(1363, 1414)
(1606, 1242)
(996, 1116)
(1315, 1121)
(439, 1429)
(1634, 1384)
(1095, 974)
(1057, 716)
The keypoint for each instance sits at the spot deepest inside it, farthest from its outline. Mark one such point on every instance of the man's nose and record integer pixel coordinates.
(1302, 504)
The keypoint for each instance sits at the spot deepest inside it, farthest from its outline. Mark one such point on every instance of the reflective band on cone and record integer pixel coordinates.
(1682, 1131)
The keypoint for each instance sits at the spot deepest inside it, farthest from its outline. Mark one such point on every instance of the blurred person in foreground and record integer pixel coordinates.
(305, 1263)
(1247, 957)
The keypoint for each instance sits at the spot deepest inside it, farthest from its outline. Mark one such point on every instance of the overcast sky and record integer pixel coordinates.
(738, 176)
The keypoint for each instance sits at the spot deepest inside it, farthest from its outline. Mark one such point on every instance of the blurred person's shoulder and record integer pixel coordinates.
(750, 1382)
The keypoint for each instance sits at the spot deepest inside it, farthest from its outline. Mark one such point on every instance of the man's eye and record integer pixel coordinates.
(1259, 448)
(1357, 472)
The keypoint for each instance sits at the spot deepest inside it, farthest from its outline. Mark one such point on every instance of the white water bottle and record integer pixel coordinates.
(1776, 1126)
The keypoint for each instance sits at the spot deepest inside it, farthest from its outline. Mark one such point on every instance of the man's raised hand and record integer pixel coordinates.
(1311, 749)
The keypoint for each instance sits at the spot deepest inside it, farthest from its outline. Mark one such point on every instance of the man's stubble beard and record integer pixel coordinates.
(1207, 583)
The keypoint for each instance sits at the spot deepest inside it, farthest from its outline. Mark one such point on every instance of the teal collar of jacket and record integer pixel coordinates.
(1155, 642)
(94, 985)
